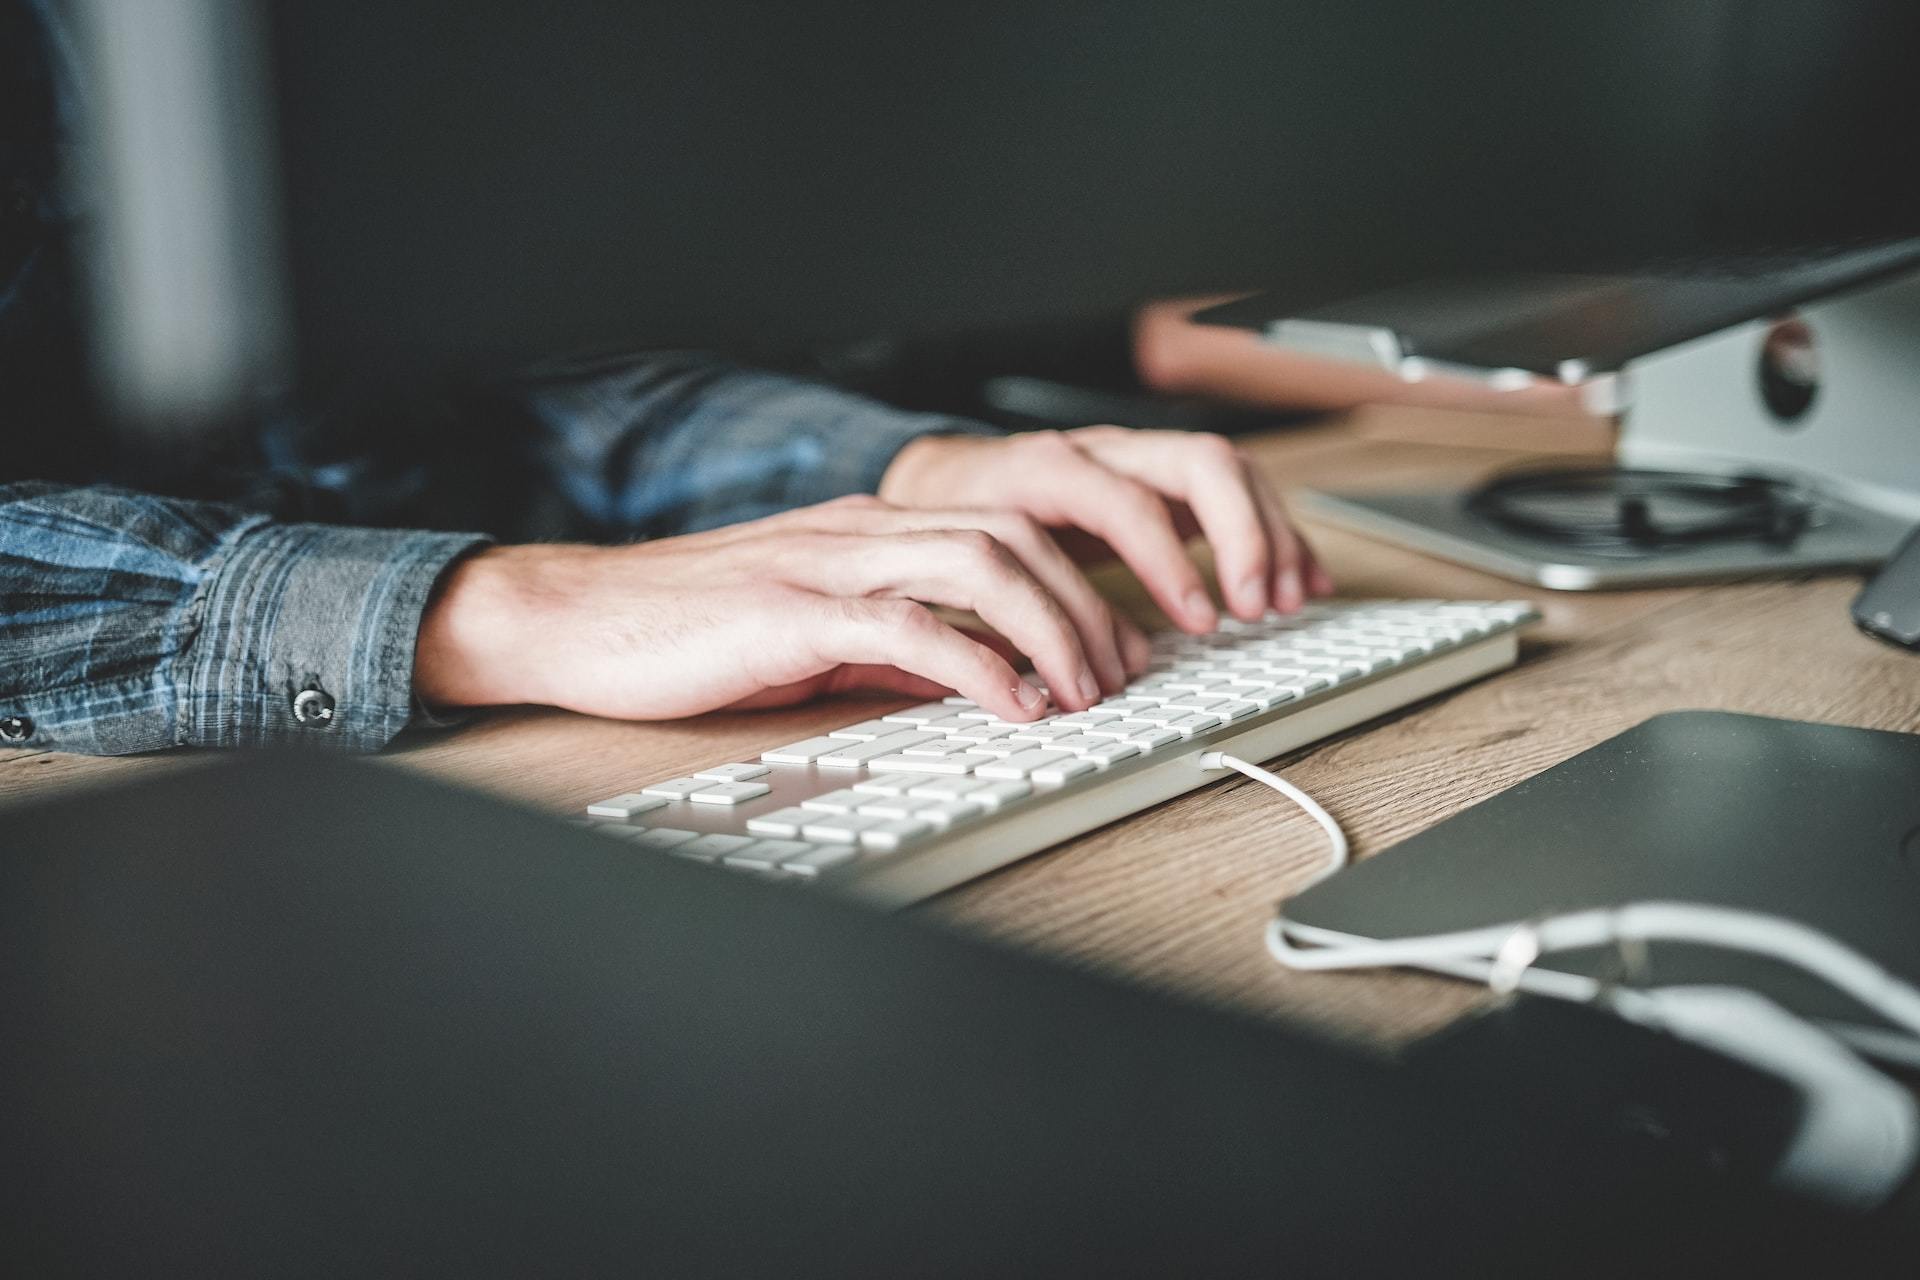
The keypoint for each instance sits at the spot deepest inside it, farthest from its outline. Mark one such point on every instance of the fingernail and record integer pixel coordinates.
(1089, 688)
(1252, 595)
(1200, 610)
(1029, 698)
(1290, 598)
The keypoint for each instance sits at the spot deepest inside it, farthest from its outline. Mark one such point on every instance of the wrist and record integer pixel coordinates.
(914, 473)
(481, 635)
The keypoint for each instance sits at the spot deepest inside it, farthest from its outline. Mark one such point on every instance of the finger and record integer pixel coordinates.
(1288, 581)
(1041, 556)
(1134, 520)
(1313, 578)
(1054, 570)
(849, 678)
(903, 634)
(1213, 480)
(962, 569)
(1136, 651)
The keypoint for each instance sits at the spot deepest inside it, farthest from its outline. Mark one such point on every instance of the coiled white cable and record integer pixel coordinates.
(1488, 953)
(1858, 1139)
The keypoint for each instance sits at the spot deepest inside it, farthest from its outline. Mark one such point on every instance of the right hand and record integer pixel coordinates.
(819, 600)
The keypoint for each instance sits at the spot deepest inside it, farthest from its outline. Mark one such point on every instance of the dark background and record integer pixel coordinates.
(473, 179)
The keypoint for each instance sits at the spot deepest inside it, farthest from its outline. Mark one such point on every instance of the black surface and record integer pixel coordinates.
(1888, 607)
(475, 179)
(1817, 823)
(306, 1017)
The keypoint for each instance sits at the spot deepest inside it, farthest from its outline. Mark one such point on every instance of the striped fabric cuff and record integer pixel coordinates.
(305, 637)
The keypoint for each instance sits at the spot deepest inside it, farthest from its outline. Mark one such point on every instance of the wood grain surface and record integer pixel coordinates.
(1177, 897)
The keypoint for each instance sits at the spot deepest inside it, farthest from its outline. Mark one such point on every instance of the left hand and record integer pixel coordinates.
(1141, 494)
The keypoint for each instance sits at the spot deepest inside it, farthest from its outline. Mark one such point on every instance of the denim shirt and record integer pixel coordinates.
(136, 620)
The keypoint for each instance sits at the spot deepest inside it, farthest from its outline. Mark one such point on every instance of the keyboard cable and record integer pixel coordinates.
(1858, 1158)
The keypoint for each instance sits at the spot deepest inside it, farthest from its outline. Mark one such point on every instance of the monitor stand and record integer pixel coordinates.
(1827, 397)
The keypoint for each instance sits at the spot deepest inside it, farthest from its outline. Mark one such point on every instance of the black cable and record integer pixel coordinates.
(1629, 511)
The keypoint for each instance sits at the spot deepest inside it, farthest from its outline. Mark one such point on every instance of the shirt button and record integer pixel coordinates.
(313, 708)
(15, 729)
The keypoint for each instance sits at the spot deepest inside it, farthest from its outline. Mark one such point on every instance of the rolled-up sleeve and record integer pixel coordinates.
(130, 622)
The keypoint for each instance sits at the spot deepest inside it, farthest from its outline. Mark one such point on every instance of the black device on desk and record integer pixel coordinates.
(1888, 607)
(292, 1017)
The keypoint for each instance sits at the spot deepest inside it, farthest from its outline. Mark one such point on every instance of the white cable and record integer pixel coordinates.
(1505, 954)
(1337, 837)
(1859, 1133)
(1722, 928)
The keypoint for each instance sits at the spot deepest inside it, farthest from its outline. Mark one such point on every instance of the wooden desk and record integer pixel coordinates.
(1178, 896)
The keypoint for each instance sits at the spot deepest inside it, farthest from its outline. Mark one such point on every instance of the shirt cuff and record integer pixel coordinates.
(305, 636)
(845, 470)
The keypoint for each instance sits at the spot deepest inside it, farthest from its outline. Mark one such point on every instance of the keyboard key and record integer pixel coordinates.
(765, 855)
(663, 837)
(852, 755)
(818, 860)
(1113, 730)
(1205, 701)
(887, 784)
(865, 731)
(892, 807)
(1082, 720)
(1232, 709)
(948, 788)
(1022, 763)
(677, 789)
(1123, 707)
(781, 822)
(983, 731)
(1155, 736)
(625, 806)
(1107, 753)
(998, 796)
(1199, 722)
(950, 724)
(1161, 715)
(1062, 770)
(730, 792)
(733, 772)
(1042, 731)
(941, 814)
(838, 828)
(803, 752)
(707, 848)
(845, 800)
(921, 714)
(893, 833)
(963, 763)
(938, 747)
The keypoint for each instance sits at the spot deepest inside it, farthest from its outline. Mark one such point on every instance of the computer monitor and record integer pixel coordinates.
(339, 186)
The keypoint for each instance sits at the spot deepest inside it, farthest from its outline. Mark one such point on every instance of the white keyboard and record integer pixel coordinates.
(902, 806)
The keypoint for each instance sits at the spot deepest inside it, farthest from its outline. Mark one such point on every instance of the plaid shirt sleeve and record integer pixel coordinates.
(133, 623)
(676, 442)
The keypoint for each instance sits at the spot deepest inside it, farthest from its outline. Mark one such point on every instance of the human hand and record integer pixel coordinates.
(820, 600)
(1141, 494)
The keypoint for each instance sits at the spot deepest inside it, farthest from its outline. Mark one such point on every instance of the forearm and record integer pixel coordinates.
(136, 623)
(672, 443)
